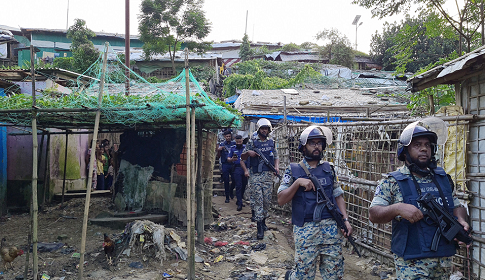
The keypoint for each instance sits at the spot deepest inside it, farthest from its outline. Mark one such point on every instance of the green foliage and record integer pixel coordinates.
(64, 62)
(443, 95)
(308, 45)
(338, 50)
(258, 79)
(412, 44)
(465, 20)
(84, 54)
(291, 47)
(80, 34)
(164, 24)
(262, 50)
(245, 51)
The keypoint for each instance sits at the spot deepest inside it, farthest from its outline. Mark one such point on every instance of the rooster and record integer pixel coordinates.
(9, 254)
(109, 249)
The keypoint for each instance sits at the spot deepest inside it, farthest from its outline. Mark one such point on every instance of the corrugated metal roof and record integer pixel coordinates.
(137, 55)
(450, 72)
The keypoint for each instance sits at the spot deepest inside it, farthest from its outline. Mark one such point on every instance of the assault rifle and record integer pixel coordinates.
(322, 202)
(266, 161)
(448, 226)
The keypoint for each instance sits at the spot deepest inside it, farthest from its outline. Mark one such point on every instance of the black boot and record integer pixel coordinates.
(260, 234)
(265, 228)
(252, 216)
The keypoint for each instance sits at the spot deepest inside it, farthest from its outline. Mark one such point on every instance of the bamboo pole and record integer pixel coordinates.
(193, 180)
(91, 165)
(190, 227)
(35, 146)
(199, 187)
(65, 166)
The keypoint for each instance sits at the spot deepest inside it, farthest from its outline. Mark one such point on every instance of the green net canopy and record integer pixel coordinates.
(137, 104)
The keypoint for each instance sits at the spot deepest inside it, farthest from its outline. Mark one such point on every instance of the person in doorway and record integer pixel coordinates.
(395, 200)
(314, 238)
(261, 175)
(95, 168)
(227, 174)
(100, 167)
(238, 173)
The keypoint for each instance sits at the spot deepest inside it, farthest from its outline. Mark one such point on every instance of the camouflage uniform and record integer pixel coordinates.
(260, 187)
(388, 193)
(315, 239)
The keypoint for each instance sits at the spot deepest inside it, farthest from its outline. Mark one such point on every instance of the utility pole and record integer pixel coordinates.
(127, 45)
(357, 24)
(246, 28)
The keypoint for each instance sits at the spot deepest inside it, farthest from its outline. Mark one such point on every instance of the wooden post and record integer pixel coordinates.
(188, 149)
(199, 188)
(46, 167)
(431, 104)
(65, 166)
(35, 146)
(91, 164)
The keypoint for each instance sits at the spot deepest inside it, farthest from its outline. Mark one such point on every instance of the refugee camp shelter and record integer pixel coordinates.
(467, 73)
(150, 117)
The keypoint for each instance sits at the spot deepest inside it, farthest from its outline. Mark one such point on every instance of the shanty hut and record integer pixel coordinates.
(467, 74)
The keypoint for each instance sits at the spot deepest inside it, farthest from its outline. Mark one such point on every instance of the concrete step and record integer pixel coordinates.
(120, 222)
(80, 194)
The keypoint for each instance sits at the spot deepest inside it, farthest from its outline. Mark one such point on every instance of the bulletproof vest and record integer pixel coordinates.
(267, 149)
(413, 241)
(225, 152)
(238, 152)
(303, 203)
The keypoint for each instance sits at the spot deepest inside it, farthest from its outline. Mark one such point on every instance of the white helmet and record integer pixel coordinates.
(263, 123)
(316, 132)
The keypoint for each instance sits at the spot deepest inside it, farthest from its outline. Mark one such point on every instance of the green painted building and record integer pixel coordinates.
(52, 43)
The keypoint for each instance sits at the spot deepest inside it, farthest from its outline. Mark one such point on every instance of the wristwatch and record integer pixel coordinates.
(346, 220)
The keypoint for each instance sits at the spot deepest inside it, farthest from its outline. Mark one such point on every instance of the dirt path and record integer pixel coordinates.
(238, 259)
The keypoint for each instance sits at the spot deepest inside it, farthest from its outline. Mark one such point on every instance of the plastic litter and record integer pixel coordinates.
(136, 265)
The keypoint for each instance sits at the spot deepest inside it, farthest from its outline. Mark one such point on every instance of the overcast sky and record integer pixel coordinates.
(268, 20)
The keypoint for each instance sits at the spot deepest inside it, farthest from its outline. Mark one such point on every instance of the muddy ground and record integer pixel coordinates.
(242, 260)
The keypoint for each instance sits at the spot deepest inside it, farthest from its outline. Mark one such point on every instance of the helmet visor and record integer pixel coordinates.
(433, 124)
(325, 130)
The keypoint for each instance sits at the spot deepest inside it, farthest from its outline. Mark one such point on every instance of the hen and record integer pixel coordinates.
(9, 254)
(109, 249)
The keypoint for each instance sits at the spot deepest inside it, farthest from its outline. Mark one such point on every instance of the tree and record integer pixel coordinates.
(412, 44)
(165, 24)
(465, 20)
(291, 47)
(84, 54)
(338, 50)
(245, 51)
(308, 45)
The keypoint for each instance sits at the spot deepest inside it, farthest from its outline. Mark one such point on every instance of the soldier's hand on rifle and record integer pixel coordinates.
(306, 183)
(349, 229)
(410, 212)
(252, 153)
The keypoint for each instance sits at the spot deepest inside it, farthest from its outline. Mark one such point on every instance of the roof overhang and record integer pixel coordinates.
(451, 72)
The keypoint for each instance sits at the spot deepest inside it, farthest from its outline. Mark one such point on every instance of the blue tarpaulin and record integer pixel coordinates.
(298, 118)
(231, 99)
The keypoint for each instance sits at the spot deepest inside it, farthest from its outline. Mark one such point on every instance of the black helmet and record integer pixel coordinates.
(418, 131)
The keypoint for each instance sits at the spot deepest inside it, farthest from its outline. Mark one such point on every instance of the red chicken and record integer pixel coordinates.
(9, 253)
(109, 249)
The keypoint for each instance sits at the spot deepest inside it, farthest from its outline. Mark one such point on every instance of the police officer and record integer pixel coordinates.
(314, 238)
(222, 153)
(238, 173)
(395, 200)
(261, 175)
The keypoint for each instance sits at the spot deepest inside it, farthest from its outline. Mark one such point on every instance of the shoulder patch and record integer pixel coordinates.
(286, 179)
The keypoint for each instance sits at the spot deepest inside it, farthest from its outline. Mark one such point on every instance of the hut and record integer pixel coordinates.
(467, 74)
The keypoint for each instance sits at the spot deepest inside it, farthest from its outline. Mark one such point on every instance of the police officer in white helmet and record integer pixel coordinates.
(261, 174)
